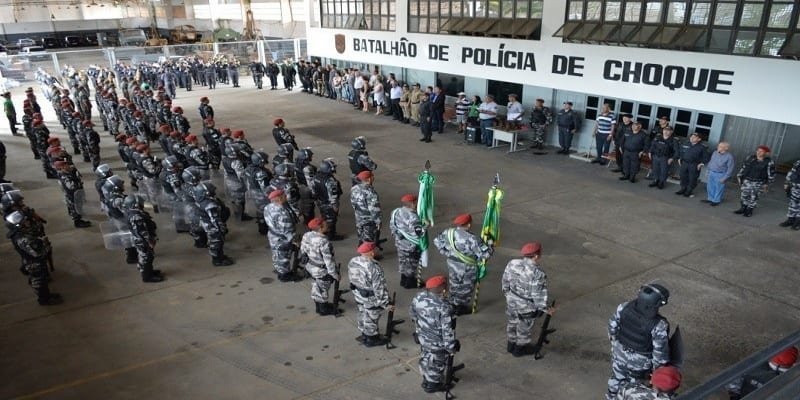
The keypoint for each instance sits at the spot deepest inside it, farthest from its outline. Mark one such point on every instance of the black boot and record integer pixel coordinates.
(245, 217)
(520, 351)
(789, 222)
(221, 261)
(326, 309)
(155, 208)
(682, 191)
(433, 387)
(741, 210)
(262, 228)
(375, 340)
(510, 347)
(796, 225)
(201, 243)
(45, 298)
(404, 281)
(151, 277)
(131, 257)
(79, 223)
(748, 211)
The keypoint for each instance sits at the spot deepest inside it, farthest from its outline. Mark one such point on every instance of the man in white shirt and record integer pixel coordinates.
(513, 112)
(395, 94)
(357, 85)
(488, 111)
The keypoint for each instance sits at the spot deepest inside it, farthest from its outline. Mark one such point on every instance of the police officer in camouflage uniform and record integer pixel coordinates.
(304, 175)
(258, 178)
(181, 123)
(663, 384)
(760, 376)
(213, 139)
(465, 252)
(755, 176)
(367, 209)
(792, 188)
(284, 181)
(525, 286)
(282, 135)
(321, 264)
(27, 236)
(639, 337)
(369, 291)
(407, 229)
(189, 207)
(114, 198)
(236, 159)
(434, 321)
(213, 215)
(285, 155)
(102, 172)
(359, 159)
(149, 168)
(92, 139)
(281, 221)
(327, 190)
(144, 237)
(541, 118)
(74, 196)
(206, 111)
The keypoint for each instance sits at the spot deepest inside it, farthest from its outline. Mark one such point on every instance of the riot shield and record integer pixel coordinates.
(676, 349)
(182, 214)
(80, 199)
(116, 235)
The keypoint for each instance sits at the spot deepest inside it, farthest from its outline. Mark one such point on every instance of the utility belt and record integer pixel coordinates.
(754, 180)
(363, 292)
(414, 103)
(473, 263)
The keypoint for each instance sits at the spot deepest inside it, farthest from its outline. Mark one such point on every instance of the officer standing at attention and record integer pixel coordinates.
(34, 249)
(525, 286)
(757, 172)
(434, 322)
(663, 384)
(144, 235)
(369, 291)
(464, 251)
(321, 264)
(633, 146)
(541, 118)
(206, 111)
(568, 123)
(692, 158)
(407, 230)
(280, 221)
(663, 151)
(623, 129)
(72, 186)
(367, 209)
(327, 191)
(213, 215)
(282, 135)
(258, 179)
(425, 115)
(792, 188)
(639, 337)
(359, 159)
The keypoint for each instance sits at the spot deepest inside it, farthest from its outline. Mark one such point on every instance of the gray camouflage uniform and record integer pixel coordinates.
(640, 391)
(367, 209)
(72, 186)
(462, 271)
(433, 318)
(626, 364)
(405, 223)
(280, 221)
(793, 191)
(525, 287)
(321, 264)
(370, 292)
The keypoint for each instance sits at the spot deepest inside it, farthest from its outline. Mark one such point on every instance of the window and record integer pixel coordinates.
(500, 90)
(450, 84)
(376, 15)
(683, 121)
(477, 17)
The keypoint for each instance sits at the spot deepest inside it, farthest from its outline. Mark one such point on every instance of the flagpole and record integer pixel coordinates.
(425, 212)
(489, 216)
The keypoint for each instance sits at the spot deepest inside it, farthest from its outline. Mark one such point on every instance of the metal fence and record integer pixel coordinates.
(17, 70)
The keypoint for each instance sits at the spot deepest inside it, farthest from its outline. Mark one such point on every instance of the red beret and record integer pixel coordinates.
(765, 148)
(408, 198)
(190, 138)
(121, 136)
(275, 193)
(177, 109)
(364, 175)
(786, 358)
(130, 140)
(175, 134)
(59, 164)
(53, 139)
(37, 122)
(315, 223)
(277, 121)
(209, 121)
(435, 281)
(237, 134)
(164, 128)
(142, 147)
(531, 248)
(76, 114)
(203, 99)
(226, 130)
(137, 114)
(37, 116)
(88, 123)
(366, 247)
(462, 219)
(54, 150)
(666, 379)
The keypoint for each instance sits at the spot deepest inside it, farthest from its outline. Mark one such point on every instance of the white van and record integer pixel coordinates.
(132, 37)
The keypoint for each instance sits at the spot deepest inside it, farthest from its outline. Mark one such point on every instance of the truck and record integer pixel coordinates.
(132, 37)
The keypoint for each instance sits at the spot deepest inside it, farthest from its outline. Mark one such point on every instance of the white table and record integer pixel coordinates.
(510, 137)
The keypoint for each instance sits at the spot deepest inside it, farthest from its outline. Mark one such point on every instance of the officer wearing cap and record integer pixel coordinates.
(639, 337)
(321, 264)
(367, 208)
(434, 323)
(281, 222)
(369, 291)
(568, 123)
(464, 251)
(407, 229)
(623, 129)
(755, 176)
(525, 286)
(692, 157)
(633, 147)
(414, 99)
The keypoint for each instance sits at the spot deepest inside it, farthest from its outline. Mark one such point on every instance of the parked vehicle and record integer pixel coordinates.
(49, 42)
(26, 42)
(91, 40)
(34, 53)
(132, 37)
(72, 41)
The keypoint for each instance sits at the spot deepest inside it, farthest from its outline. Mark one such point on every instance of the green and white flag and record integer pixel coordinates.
(425, 208)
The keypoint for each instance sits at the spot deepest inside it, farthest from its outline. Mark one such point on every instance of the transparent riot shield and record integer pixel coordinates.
(116, 235)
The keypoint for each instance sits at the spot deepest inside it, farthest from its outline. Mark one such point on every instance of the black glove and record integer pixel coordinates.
(416, 338)
(457, 347)
(352, 287)
(24, 270)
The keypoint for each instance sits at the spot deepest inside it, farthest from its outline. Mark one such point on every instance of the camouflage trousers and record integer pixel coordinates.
(94, 155)
(432, 364)
(519, 327)
(144, 254)
(367, 231)
(368, 320)
(281, 253)
(750, 192)
(37, 274)
(73, 139)
(216, 241)
(626, 366)
(150, 190)
(538, 134)
(460, 282)
(408, 259)
(794, 201)
(74, 200)
(306, 203)
(319, 290)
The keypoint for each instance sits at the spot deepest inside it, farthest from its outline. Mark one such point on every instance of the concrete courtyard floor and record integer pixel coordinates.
(237, 333)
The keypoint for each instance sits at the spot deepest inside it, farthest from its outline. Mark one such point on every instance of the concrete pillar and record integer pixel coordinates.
(262, 56)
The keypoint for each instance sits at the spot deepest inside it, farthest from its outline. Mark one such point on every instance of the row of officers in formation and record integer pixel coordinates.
(293, 191)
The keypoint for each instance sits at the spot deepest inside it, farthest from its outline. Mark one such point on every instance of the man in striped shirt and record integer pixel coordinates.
(606, 122)
(462, 106)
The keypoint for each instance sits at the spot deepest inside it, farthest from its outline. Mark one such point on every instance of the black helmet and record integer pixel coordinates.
(133, 201)
(11, 198)
(327, 166)
(204, 191)
(359, 143)
(172, 163)
(115, 183)
(305, 154)
(259, 158)
(283, 170)
(15, 218)
(286, 150)
(191, 175)
(6, 187)
(651, 297)
(103, 171)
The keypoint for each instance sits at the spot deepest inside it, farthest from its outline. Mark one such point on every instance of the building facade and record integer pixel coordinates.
(727, 69)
